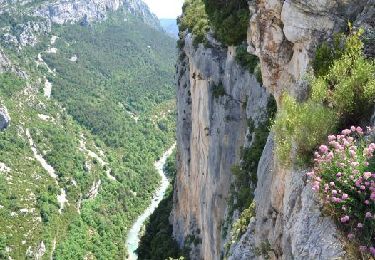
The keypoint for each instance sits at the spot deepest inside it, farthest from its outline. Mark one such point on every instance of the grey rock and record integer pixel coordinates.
(210, 133)
(4, 118)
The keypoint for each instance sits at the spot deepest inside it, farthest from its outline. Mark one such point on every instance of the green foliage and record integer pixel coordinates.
(218, 90)
(326, 54)
(194, 19)
(170, 167)
(245, 59)
(10, 84)
(3, 253)
(229, 20)
(240, 226)
(344, 96)
(258, 74)
(263, 250)
(303, 124)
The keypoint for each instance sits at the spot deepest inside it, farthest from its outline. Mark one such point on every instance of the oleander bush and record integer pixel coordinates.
(344, 177)
(344, 95)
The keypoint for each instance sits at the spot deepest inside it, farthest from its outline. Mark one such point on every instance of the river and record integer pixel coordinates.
(132, 240)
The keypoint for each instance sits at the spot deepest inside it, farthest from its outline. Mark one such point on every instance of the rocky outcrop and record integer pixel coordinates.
(45, 13)
(216, 97)
(87, 11)
(4, 62)
(285, 35)
(4, 118)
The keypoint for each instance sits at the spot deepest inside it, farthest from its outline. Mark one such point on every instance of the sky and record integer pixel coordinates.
(165, 8)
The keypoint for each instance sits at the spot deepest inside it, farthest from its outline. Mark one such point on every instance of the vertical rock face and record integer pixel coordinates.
(211, 130)
(288, 223)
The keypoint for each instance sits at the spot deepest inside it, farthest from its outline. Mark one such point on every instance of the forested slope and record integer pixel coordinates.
(91, 107)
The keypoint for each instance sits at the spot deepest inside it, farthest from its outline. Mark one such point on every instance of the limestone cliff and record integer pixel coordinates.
(40, 15)
(288, 222)
(211, 130)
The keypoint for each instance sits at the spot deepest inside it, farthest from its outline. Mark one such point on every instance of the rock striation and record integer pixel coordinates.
(211, 129)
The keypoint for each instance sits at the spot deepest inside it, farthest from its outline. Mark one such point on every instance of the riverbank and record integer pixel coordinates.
(132, 240)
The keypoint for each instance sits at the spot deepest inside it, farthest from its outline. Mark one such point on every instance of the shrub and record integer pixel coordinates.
(194, 19)
(344, 96)
(240, 226)
(229, 20)
(218, 90)
(326, 54)
(302, 124)
(344, 177)
(246, 59)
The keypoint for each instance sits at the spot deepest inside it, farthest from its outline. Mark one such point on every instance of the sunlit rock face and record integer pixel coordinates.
(285, 35)
(210, 133)
(86, 11)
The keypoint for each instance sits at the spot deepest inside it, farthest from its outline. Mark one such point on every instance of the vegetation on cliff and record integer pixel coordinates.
(341, 95)
(344, 176)
(227, 19)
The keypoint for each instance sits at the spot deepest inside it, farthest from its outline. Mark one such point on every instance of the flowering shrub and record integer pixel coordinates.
(344, 179)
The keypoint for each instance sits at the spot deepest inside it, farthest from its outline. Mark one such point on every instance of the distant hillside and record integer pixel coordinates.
(86, 107)
(170, 26)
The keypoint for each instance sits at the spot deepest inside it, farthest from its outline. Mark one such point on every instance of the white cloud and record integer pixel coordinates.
(165, 8)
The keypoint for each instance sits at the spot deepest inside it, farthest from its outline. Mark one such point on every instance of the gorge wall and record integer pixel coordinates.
(212, 129)
(288, 222)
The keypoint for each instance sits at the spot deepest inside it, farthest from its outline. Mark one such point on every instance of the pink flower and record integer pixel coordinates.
(339, 174)
(368, 215)
(345, 196)
(354, 164)
(344, 219)
(346, 132)
(367, 202)
(372, 196)
(323, 149)
(360, 225)
(359, 130)
(352, 128)
(331, 138)
(372, 250)
(350, 236)
(332, 183)
(367, 175)
(363, 248)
